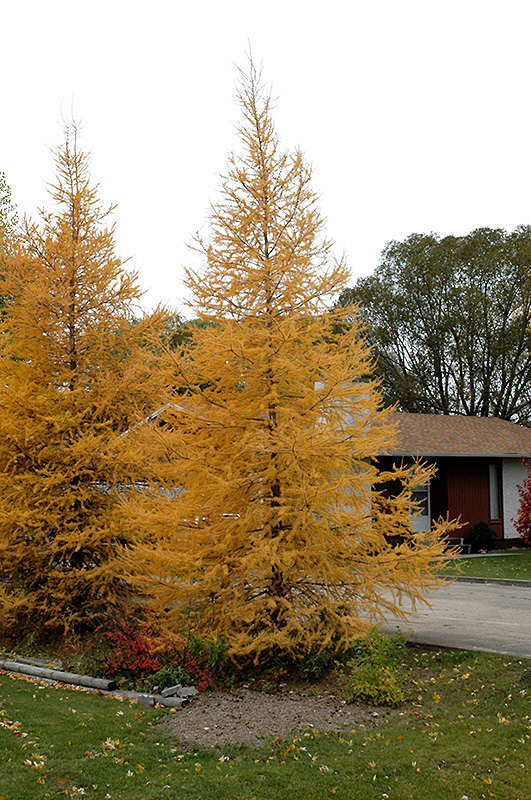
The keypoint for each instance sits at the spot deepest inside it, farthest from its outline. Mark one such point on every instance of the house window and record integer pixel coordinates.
(421, 497)
(494, 491)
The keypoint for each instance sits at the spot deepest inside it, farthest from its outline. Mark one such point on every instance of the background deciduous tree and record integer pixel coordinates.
(8, 215)
(74, 375)
(450, 323)
(278, 538)
(8, 223)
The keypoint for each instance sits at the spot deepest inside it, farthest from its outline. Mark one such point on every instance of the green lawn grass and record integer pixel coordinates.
(466, 731)
(513, 565)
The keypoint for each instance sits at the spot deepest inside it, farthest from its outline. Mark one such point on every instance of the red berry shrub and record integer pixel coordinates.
(522, 522)
(140, 649)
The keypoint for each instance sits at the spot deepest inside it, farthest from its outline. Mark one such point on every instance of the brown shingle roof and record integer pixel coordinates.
(437, 434)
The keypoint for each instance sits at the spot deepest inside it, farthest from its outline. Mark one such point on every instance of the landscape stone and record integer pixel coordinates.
(146, 700)
(172, 702)
(188, 691)
(171, 690)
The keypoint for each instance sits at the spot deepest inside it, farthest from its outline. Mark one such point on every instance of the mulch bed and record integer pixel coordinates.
(251, 717)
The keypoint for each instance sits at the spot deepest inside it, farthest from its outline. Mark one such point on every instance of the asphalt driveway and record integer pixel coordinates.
(492, 616)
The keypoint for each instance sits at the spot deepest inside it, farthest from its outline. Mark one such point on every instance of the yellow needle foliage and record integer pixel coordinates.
(73, 375)
(277, 536)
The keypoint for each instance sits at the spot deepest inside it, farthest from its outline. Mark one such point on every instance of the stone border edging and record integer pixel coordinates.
(150, 699)
(57, 675)
(98, 684)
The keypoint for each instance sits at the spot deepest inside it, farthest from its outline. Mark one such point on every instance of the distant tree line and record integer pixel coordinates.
(449, 321)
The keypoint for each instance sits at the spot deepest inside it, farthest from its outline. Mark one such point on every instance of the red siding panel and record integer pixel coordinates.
(468, 491)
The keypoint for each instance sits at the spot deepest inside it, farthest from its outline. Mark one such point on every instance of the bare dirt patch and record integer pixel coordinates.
(251, 717)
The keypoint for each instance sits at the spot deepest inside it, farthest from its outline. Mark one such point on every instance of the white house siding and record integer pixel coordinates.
(513, 475)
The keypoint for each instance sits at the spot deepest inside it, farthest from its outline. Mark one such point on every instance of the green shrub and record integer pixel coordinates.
(210, 652)
(314, 665)
(482, 537)
(196, 661)
(169, 676)
(375, 669)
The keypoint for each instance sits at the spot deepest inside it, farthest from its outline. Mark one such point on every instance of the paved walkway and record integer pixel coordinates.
(493, 616)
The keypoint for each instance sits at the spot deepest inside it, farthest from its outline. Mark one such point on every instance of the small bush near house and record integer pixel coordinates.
(375, 669)
(482, 537)
(522, 523)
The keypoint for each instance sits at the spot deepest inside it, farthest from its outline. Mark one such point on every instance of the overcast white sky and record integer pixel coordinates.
(415, 114)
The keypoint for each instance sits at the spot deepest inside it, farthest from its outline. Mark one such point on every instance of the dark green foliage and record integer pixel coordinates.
(169, 675)
(179, 331)
(179, 334)
(375, 674)
(450, 323)
(315, 665)
(482, 537)
(210, 651)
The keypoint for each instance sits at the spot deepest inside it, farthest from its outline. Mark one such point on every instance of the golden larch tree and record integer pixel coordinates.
(276, 536)
(74, 375)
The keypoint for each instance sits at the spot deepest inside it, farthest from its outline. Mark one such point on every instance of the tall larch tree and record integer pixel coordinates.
(277, 537)
(75, 374)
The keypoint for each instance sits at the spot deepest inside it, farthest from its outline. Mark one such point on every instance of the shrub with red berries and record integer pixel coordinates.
(522, 522)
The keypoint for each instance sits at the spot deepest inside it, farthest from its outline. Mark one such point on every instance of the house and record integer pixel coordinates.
(479, 468)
